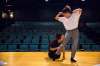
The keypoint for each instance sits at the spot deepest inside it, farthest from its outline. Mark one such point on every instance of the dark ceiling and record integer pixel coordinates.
(40, 10)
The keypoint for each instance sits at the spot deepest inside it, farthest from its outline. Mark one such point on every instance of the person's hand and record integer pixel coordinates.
(67, 6)
(58, 50)
(77, 10)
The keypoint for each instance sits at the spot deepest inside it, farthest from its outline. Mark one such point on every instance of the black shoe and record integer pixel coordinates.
(73, 60)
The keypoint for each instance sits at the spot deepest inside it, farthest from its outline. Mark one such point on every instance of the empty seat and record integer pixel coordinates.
(33, 47)
(16, 41)
(44, 47)
(44, 39)
(12, 47)
(3, 47)
(23, 48)
(27, 40)
(35, 40)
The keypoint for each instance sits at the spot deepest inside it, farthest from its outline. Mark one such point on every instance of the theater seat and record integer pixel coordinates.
(3, 47)
(33, 47)
(24, 48)
(12, 47)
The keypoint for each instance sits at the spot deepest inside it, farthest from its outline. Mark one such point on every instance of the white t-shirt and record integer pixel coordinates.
(71, 22)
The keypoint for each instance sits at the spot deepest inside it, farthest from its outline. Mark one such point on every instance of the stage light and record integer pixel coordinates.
(46, 0)
(83, 0)
(11, 14)
(4, 15)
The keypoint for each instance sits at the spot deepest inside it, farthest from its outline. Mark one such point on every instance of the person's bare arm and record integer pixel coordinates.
(57, 16)
(63, 53)
(53, 49)
(63, 49)
(80, 10)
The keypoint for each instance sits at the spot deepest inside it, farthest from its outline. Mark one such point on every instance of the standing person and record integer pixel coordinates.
(70, 20)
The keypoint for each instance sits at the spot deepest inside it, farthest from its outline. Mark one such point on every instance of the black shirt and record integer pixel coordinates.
(54, 44)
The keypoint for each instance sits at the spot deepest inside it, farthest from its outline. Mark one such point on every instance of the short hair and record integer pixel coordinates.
(66, 10)
(58, 36)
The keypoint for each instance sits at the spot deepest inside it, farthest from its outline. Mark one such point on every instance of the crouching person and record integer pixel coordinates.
(53, 52)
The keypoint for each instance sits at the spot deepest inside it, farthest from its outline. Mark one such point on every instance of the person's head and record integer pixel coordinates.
(60, 37)
(66, 12)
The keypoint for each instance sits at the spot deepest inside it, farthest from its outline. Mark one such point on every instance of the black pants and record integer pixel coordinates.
(53, 55)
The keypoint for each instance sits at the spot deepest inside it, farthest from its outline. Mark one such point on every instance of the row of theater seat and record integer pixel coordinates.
(28, 41)
(32, 47)
(34, 38)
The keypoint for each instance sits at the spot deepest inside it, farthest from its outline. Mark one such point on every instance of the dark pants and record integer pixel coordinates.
(53, 55)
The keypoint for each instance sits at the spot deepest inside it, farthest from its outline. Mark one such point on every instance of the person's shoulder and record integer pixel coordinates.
(77, 11)
(75, 14)
(52, 42)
